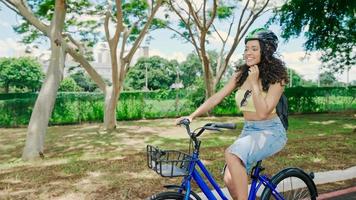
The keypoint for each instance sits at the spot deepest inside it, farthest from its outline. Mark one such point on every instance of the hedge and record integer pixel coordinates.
(72, 108)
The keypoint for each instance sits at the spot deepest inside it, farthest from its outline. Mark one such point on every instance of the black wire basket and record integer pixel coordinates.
(168, 163)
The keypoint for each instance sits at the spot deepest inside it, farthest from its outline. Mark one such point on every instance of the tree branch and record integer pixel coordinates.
(136, 44)
(248, 19)
(124, 39)
(106, 25)
(204, 13)
(213, 15)
(71, 49)
(263, 7)
(27, 14)
(87, 66)
(179, 33)
(187, 25)
(217, 32)
(10, 6)
(194, 14)
(195, 44)
(76, 43)
(119, 25)
(119, 14)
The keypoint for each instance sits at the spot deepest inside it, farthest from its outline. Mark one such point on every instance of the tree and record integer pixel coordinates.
(131, 19)
(295, 79)
(44, 104)
(328, 25)
(191, 67)
(69, 85)
(83, 81)
(198, 21)
(24, 73)
(327, 79)
(161, 73)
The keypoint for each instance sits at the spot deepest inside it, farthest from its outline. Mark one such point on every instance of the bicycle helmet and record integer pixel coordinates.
(263, 35)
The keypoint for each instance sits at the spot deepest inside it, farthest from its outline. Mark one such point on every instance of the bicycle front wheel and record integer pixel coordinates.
(173, 196)
(292, 184)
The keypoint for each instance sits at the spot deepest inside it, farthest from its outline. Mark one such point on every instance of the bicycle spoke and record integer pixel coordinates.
(293, 188)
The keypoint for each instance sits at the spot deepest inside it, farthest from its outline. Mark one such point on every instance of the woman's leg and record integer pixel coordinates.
(236, 178)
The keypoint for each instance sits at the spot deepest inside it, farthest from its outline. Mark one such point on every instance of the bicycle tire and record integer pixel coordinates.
(173, 196)
(304, 187)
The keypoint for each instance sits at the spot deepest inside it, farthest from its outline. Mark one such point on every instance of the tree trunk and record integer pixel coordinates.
(208, 74)
(209, 81)
(111, 100)
(110, 108)
(46, 98)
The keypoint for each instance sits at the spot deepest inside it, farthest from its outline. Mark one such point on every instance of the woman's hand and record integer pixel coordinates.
(253, 75)
(181, 118)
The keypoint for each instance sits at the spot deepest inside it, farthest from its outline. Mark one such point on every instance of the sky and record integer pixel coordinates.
(162, 44)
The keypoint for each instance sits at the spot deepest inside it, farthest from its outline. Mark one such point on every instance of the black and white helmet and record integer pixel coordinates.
(264, 35)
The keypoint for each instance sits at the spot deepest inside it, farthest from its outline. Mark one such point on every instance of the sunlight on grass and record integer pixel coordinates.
(324, 122)
(80, 160)
(317, 159)
(349, 126)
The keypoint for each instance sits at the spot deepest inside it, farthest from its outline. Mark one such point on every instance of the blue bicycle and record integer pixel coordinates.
(288, 184)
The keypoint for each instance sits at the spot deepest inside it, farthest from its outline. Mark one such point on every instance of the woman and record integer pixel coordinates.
(260, 83)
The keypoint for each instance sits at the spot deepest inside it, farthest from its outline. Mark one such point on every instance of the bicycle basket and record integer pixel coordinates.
(168, 163)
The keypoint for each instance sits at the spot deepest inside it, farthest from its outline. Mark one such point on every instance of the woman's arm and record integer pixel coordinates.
(264, 106)
(216, 98)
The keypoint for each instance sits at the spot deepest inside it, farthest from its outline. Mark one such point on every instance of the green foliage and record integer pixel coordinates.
(192, 67)
(297, 79)
(318, 99)
(23, 73)
(86, 29)
(77, 107)
(329, 26)
(196, 96)
(130, 106)
(69, 85)
(44, 11)
(161, 74)
(15, 109)
(84, 81)
(327, 79)
(224, 12)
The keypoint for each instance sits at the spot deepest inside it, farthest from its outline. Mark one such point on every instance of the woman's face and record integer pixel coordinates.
(252, 54)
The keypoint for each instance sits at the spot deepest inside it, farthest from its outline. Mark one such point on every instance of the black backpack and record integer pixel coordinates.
(282, 110)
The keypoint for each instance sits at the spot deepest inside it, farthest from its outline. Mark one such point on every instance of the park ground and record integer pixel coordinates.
(83, 162)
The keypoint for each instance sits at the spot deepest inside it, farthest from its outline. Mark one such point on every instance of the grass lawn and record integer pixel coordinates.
(82, 162)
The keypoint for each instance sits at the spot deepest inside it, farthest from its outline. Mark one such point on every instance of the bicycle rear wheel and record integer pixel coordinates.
(172, 196)
(292, 184)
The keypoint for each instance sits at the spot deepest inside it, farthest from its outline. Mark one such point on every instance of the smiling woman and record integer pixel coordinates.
(260, 83)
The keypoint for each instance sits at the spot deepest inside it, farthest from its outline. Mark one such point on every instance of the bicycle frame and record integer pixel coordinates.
(196, 165)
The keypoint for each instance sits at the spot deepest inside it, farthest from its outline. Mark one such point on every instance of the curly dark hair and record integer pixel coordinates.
(272, 69)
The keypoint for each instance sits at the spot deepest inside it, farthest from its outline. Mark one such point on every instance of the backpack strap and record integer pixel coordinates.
(282, 110)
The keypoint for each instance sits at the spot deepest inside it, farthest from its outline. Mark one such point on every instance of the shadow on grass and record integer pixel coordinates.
(84, 163)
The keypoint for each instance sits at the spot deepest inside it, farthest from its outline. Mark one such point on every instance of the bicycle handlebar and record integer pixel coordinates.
(208, 126)
(222, 125)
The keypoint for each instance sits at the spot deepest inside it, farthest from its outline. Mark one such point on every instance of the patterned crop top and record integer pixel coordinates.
(247, 104)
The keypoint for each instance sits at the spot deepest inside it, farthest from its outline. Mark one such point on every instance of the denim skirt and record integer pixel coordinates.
(259, 140)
